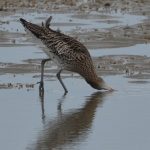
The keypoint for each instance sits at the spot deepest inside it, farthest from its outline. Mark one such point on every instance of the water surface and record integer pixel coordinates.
(89, 119)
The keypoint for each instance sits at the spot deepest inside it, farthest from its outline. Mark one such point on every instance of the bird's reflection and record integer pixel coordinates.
(42, 107)
(71, 127)
(41, 97)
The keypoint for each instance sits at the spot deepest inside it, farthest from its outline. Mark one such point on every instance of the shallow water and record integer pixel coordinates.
(18, 54)
(84, 119)
(138, 49)
(89, 119)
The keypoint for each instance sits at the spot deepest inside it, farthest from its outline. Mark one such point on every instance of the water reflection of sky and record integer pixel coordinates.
(138, 49)
(19, 53)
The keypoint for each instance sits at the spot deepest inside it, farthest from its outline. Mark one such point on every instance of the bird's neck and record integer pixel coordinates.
(92, 79)
(94, 82)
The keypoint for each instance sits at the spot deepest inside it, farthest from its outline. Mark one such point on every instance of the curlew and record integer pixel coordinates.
(68, 54)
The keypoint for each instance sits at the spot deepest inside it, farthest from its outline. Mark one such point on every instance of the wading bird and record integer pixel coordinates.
(68, 54)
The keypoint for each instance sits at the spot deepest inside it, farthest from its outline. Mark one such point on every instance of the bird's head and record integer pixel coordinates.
(100, 84)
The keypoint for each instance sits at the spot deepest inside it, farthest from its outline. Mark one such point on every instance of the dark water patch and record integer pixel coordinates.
(139, 82)
(140, 76)
(16, 86)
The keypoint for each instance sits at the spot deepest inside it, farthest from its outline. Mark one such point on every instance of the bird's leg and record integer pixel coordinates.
(60, 80)
(41, 86)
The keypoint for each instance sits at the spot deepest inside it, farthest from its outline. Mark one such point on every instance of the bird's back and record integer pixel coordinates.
(68, 52)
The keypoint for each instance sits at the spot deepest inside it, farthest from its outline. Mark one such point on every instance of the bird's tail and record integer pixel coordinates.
(33, 28)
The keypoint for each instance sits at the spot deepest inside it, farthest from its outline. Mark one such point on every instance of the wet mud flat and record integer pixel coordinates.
(131, 66)
(117, 35)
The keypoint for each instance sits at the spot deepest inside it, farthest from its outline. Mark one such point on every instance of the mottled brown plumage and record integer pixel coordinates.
(68, 53)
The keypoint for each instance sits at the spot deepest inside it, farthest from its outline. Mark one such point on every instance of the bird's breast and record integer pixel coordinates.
(56, 59)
